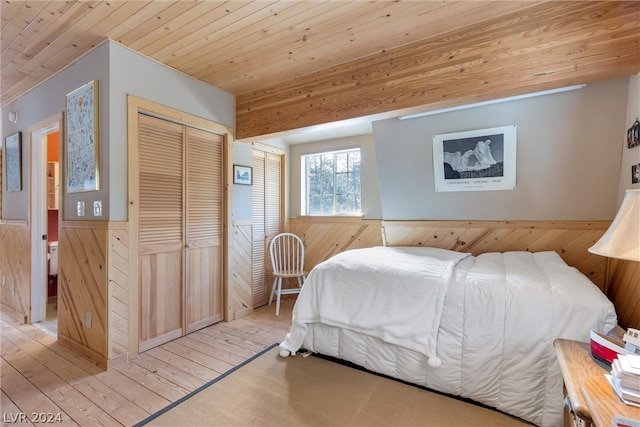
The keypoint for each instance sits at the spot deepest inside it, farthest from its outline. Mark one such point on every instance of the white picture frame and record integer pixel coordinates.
(478, 160)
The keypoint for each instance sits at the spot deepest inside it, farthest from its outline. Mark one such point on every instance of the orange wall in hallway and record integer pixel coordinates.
(53, 152)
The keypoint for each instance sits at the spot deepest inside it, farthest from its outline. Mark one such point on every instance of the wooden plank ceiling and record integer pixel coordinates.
(295, 64)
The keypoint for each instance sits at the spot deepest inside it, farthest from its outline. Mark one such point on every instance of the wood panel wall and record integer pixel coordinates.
(324, 237)
(118, 294)
(240, 289)
(15, 269)
(92, 278)
(570, 239)
(624, 290)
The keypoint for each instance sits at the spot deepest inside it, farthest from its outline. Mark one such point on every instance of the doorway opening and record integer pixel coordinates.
(45, 215)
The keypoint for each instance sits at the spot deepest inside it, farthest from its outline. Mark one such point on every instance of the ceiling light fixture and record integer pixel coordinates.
(492, 101)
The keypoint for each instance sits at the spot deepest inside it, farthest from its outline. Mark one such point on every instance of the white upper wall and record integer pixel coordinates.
(119, 72)
(630, 156)
(135, 74)
(567, 167)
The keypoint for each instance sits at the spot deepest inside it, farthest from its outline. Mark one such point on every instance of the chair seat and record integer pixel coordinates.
(290, 273)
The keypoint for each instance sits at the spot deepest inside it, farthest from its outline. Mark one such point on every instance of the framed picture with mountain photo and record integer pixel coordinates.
(478, 160)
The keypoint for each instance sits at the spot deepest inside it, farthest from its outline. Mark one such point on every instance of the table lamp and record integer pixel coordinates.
(622, 238)
(621, 241)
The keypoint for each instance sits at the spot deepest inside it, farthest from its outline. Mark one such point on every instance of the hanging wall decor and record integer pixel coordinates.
(13, 154)
(82, 138)
(242, 175)
(633, 135)
(478, 160)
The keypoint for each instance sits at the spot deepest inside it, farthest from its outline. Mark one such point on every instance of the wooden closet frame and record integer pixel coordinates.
(135, 106)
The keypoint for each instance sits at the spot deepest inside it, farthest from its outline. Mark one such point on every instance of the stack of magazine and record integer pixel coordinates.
(625, 378)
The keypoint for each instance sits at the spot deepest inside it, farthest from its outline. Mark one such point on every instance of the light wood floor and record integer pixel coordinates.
(40, 376)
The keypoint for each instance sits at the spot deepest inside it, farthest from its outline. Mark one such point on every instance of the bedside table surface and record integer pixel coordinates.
(604, 403)
(591, 395)
(577, 366)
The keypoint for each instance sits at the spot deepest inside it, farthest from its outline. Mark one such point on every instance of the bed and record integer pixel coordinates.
(480, 327)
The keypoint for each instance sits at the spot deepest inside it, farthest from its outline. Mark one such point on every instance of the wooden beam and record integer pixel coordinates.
(557, 44)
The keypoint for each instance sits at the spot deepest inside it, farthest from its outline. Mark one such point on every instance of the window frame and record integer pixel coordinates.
(305, 184)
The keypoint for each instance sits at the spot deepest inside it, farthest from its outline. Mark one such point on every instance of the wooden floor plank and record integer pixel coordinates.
(183, 363)
(168, 371)
(101, 395)
(67, 398)
(198, 356)
(136, 393)
(149, 379)
(232, 340)
(205, 345)
(25, 397)
(38, 374)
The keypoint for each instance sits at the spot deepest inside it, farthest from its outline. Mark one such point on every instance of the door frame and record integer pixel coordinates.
(37, 212)
(136, 105)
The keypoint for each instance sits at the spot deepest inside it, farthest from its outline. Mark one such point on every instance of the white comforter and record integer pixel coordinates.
(404, 308)
(494, 326)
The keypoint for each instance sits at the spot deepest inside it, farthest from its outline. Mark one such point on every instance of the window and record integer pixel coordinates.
(331, 183)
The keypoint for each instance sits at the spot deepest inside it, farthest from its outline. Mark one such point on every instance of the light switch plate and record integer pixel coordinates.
(97, 208)
(81, 208)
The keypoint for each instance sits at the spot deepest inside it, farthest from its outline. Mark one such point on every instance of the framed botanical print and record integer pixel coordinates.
(82, 139)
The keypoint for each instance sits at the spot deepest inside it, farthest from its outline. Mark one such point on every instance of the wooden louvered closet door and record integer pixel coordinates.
(266, 219)
(180, 230)
(204, 229)
(160, 230)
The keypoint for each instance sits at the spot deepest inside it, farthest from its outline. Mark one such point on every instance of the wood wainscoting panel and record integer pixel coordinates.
(118, 333)
(324, 237)
(624, 290)
(570, 239)
(15, 268)
(83, 288)
(240, 288)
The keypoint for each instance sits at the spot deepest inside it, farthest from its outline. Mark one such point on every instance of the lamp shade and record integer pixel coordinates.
(622, 238)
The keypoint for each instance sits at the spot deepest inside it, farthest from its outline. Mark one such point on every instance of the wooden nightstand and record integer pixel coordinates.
(593, 402)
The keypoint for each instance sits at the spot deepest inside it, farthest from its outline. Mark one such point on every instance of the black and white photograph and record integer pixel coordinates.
(478, 160)
(635, 174)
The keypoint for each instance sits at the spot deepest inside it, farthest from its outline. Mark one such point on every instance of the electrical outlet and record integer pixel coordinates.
(97, 208)
(80, 208)
(87, 319)
(4, 280)
(13, 290)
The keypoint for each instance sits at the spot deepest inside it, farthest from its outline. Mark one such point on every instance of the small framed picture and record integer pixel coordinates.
(242, 175)
(633, 135)
(635, 174)
(13, 154)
